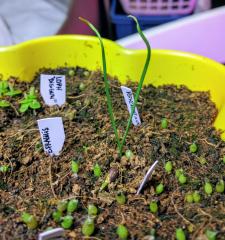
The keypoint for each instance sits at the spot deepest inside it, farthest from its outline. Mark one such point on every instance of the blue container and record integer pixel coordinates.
(125, 26)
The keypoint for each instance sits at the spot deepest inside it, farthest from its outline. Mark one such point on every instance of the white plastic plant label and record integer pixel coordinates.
(52, 134)
(129, 99)
(56, 233)
(53, 89)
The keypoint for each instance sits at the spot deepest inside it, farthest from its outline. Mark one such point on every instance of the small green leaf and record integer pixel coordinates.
(24, 107)
(35, 104)
(32, 92)
(13, 93)
(211, 235)
(3, 87)
(4, 103)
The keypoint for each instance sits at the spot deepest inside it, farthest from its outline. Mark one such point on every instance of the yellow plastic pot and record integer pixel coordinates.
(167, 67)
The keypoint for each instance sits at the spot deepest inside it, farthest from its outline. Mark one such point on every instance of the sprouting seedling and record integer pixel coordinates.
(67, 222)
(29, 101)
(211, 235)
(122, 232)
(4, 104)
(12, 92)
(129, 154)
(62, 206)
(92, 210)
(4, 86)
(196, 197)
(72, 206)
(57, 216)
(88, 227)
(120, 144)
(121, 198)
(193, 148)
(189, 198)
(29, 220)
(180, 234)
(159, 188)
(208, 188)
(168, 167)
(4, 168)
(74, 166)
(182, 179)
(97, 170)
(220, 186)
(153, 207)
(164, 123)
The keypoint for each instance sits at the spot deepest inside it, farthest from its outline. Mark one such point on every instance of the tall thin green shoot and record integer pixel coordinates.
(147, 61)
(109, 101)
(107, 89)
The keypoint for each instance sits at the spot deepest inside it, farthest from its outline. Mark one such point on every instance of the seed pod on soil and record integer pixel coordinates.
(111, 177)
(113, 174)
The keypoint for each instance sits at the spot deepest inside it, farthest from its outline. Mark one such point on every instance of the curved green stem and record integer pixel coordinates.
(147, 61)
(107, 91)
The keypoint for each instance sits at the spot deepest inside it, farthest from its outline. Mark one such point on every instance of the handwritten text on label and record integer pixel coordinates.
(129, 99)
(53, 89)
(52, 134)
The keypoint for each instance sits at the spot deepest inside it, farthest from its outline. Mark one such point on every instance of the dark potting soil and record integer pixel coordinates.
(36, 182)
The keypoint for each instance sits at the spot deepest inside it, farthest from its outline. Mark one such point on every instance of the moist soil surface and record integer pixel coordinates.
(36, 182)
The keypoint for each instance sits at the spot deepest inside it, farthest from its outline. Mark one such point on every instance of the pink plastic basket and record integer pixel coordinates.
(158, 7)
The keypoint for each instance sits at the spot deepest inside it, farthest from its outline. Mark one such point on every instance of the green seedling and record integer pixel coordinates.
(189, 198)
(74, 167)
(81, 86)
(4, 87)
(29, 220)
(72, 206)
(179, 172)
(86, 73)
(29, 101)
(92, 210)
(129, 154)
(208, 188)
(121, 198)
(220, 186)
(196, 197)
(67, 222)
(168, 167)
(13, 92)
(164, 123)
(88, 227)
(182, 179)
(211, 235)
(4, 104)
(193, 148)
(97, 170)
(71, 72)
(4, 168)
(120, 143)
(122, 232)
(57, 215)
(180, 235)
(159, 189)
(153, 206)
(62, 206)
